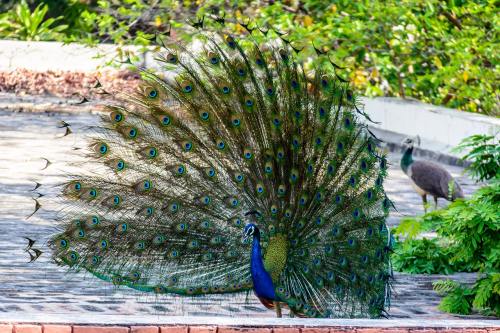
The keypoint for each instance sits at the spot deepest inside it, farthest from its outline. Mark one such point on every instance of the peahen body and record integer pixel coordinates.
(429, 178)
(232, 169)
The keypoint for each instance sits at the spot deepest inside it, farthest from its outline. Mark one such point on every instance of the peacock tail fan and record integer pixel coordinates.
(212, 134)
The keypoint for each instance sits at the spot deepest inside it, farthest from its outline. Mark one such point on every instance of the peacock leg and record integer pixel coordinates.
(278, 309)
(435, 202)
(424, 200)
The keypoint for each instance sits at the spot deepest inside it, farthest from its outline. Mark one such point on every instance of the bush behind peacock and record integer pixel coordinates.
(230, 169)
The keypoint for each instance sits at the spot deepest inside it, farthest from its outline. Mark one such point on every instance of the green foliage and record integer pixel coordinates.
(483, 296)
(484, 154)
(470, 237)
(22, 23)
(422, 256)
(442, 52)
(468, 241)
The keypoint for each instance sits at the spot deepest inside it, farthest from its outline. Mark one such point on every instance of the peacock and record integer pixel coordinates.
(428, 178)
(234, 167)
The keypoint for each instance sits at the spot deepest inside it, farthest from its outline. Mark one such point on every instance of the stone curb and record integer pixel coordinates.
(29, 328)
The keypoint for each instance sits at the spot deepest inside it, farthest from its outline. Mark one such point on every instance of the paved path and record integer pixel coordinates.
(42, 287)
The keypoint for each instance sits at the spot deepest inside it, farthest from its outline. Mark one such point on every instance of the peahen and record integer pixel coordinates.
(428, 177)
(234, 168)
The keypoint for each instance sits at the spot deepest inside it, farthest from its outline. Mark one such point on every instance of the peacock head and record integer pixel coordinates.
(250, 230)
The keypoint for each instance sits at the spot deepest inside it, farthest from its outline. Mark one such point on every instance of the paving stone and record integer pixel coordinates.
(43, 287)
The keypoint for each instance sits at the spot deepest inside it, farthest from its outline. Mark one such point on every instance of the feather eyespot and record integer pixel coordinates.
(116, 116)
(268, 168)
(281, 190)
(152, 152)
(104, 244)
(101, 148)
(206, 200)
(336, 231)
(173, 207)
(347, 122)
(132, 133)
(269, 91)
(92, 193)
(152, 93)
(221, 145)
(165, 120)
(116, 200)
(274, 209)
(295, 84)
(233, 202)
(322, 112)
(210, 172)
(187, 87)
(247, 154)
(241, 71)
(204, 115)
(122, 227)
(259, 188)
(172, 58)
(81, 233)
(352, 181)
(180, 170)
(187, 145)
(338, 199)
(149, 211)
(96, 260)
(213, 58)
(94, 220)
(140, 246)
(235, 121)
(73, 256)
(259, 61)
(248, 102)
(239, 177)
(120, 165)
(230, 41)
(63, 243)
(226, 90)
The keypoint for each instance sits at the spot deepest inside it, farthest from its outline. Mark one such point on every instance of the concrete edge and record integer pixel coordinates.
(108, 320)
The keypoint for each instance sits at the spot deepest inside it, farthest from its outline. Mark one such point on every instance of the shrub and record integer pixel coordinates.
(484, 154)
(22, 23)
(442, 52)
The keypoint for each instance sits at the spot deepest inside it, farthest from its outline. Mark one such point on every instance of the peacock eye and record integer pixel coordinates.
(165, 120)
(226, 90)
(78, 186)
(120, 165)
(172, 58)
(153, 93)
(132, 133)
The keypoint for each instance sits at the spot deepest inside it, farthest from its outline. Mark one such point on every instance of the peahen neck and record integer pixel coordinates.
(407, 159)
(262, 282)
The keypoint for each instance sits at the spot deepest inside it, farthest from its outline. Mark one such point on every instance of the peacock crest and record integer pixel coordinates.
(234, 133)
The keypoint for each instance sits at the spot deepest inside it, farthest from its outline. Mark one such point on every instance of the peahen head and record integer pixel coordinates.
(409, 142)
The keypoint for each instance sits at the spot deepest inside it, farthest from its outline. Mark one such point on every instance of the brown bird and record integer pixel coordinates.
(429, 178)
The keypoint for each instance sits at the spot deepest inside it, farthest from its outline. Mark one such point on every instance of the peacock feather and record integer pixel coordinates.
(237, 139)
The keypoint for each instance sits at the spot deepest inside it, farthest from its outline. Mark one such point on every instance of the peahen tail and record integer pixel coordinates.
(232, 128)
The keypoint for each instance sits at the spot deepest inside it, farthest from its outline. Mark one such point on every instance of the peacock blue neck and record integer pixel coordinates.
(407, 159)
(262, 282)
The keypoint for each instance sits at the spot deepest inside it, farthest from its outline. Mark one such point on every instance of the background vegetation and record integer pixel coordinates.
(468, 238)
(442, 52)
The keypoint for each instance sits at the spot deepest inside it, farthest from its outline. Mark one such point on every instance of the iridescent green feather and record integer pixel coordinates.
(232, 128)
